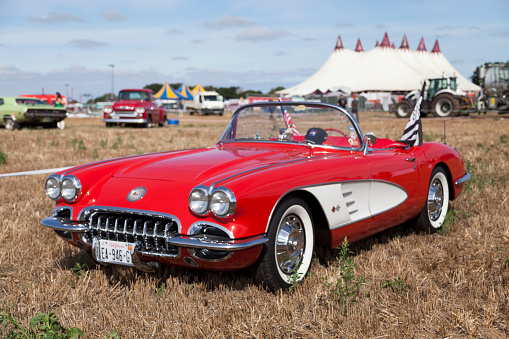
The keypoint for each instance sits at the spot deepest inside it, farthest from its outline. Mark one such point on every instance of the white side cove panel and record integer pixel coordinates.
(384, 196)
(349, 202)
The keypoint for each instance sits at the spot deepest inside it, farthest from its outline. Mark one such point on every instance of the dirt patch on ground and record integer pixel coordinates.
(450, 284)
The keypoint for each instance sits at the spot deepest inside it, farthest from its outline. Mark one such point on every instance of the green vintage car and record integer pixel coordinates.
(16, 112)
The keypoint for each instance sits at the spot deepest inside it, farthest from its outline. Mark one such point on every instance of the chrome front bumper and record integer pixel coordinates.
(126, 121)
(66, 224)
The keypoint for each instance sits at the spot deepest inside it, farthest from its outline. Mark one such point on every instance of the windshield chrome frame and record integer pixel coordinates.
(354, 122)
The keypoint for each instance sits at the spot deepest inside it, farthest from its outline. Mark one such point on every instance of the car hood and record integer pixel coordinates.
(208, 164)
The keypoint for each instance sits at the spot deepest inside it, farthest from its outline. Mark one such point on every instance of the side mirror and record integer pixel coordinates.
(369, 140)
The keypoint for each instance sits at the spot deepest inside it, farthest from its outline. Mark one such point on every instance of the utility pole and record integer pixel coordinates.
(112, 81)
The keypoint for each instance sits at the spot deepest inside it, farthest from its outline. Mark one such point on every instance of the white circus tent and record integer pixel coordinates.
(382, 69)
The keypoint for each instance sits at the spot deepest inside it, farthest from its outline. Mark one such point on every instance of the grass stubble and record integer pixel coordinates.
(456, 282)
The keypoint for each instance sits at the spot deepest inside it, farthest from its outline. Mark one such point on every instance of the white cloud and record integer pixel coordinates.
(227, 21)
(86, 43)
(113, 15)
(54, 17)
(261, 33)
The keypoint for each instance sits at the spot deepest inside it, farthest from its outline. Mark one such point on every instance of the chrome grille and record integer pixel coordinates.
(150, 232)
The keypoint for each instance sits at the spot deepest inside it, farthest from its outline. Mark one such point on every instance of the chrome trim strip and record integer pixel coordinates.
(230, 245)
(268, 166)
(464, 178)
(64, 224)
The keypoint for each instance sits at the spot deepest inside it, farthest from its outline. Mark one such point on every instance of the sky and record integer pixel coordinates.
(89, 47)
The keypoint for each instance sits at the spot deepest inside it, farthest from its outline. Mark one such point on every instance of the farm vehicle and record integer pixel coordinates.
(441, 97)
(494, 82)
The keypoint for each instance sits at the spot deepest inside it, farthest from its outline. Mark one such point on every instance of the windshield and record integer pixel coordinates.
(30, 101)
(133, 95)
(310, 123)
(211, 98)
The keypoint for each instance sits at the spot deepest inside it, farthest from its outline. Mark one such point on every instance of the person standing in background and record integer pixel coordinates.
(59, 102)
(342, 102)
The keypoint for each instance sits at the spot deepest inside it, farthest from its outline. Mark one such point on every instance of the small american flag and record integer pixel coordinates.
(288, 119)
(413, 129)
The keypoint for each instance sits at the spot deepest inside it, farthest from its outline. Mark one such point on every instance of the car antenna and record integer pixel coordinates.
(445, 135)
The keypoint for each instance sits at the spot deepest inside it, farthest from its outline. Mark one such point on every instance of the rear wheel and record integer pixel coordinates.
(286, 257)
(445, 105)
(404, 109)
(437, 201)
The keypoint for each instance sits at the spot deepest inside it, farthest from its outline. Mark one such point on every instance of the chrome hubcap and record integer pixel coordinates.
(435, 199)
(290, 243)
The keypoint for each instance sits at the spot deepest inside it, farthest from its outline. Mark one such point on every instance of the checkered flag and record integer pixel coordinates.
(413, 129)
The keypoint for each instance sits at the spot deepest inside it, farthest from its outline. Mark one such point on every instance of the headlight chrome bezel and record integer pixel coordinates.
(231, 202)
(55, 178)
(140, 110)
(72, 192)
(202, 191)
(208, 194)
(108, 109)
(75, 188)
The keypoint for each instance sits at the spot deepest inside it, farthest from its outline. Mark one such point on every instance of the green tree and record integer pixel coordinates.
(155, 87)
(274, 90)
(105, 97)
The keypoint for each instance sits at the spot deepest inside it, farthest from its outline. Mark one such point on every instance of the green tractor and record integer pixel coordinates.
(441, 98)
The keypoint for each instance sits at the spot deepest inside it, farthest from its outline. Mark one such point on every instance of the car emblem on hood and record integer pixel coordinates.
(136, 193)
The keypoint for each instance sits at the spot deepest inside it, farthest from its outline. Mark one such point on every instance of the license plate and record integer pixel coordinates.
(114, 252)
(47, 119)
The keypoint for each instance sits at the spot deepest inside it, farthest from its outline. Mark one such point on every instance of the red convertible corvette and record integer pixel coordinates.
(282, 178)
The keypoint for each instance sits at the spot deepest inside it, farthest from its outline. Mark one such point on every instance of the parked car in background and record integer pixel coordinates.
(135, 107)
(282, 178)
(18, 112)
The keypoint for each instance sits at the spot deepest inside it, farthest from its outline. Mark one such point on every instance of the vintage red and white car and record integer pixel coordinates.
(282, 178)
(135, 107)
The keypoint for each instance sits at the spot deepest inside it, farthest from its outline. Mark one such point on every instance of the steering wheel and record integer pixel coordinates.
(336, 130)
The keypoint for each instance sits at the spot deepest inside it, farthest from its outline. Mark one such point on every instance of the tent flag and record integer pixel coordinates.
(185, 92)
(167, 92)
(198, 88)
(413, 129)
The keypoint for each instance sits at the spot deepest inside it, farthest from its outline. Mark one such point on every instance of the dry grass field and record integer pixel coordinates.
(451, 284)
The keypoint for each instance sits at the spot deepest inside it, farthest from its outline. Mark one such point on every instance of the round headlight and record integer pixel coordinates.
(52, 186)
(71, 187)
(199, 200)
(222, 202)
(108, 109)
(140, 110)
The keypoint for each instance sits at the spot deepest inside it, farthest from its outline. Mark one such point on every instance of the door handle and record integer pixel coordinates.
(412, 159)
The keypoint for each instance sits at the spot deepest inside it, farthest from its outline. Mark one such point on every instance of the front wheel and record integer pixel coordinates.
(148, 124)
(11, 124)
(437, 201)
(286, 257)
